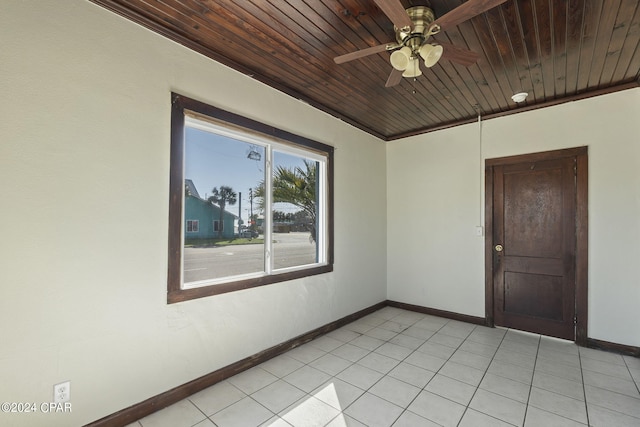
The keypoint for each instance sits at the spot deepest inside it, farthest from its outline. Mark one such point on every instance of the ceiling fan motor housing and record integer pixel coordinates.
(422, 17)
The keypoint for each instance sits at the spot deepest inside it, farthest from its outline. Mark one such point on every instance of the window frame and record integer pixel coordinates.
(182, 105)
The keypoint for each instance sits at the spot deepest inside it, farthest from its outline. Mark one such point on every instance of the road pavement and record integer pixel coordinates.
(289, 249)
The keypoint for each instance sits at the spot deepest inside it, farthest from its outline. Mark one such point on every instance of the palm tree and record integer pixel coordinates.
(225, 195)
(298, 187)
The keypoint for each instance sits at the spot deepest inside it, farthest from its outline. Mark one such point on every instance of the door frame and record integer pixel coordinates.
(582, 228)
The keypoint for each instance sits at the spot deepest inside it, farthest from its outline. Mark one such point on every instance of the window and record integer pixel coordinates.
(266, 194)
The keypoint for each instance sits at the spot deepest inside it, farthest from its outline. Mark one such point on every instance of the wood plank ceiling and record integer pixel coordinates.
(556, 50)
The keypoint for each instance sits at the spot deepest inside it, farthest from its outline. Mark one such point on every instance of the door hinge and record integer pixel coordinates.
(575, 319)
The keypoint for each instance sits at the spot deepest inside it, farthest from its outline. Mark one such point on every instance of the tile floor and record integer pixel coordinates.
(400, 368)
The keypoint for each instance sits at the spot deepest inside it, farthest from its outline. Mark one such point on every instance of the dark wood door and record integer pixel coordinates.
(534, 246)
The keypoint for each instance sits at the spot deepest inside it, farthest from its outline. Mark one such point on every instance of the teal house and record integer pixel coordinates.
(202, 218)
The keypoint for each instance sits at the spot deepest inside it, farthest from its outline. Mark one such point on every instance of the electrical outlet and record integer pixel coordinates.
(62, 392)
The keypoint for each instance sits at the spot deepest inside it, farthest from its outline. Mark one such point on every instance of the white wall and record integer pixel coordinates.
(434, 189)
(84, 161)
(84, 169)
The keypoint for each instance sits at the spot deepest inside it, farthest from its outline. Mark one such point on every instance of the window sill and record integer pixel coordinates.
(182, 295)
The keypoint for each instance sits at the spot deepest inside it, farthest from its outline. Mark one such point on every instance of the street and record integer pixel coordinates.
(289, 249)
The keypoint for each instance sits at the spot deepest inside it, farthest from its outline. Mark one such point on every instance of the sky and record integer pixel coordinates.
(213, 160)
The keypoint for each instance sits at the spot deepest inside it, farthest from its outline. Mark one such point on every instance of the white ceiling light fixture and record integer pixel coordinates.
(413, 69)
(519, 97)
(414, 45)
(431, 53)
(401, 58)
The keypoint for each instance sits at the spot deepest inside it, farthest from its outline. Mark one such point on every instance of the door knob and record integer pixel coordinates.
(498, 248)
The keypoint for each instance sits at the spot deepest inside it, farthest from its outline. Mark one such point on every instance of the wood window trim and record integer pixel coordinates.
(175, 293)
(582, 229)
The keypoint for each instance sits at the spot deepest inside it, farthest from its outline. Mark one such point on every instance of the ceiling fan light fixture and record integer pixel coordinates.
(401, 58)
(431, 54)
(413, 69)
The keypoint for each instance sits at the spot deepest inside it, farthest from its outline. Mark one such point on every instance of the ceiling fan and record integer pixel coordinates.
(414, 26)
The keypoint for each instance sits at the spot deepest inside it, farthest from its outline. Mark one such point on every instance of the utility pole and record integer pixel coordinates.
(251, 206)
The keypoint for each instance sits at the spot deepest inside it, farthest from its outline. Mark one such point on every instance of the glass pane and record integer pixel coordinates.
(294, 211)
(222, 236)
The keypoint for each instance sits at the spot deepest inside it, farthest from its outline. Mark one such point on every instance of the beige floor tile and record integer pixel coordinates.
(278, 396)
(330, 364)
(602, 356)
(506, 387)
(378, 362)
(360, 376)
(217, 397)
(374, 411)
(613, 401)
(366, 342)
(350, 352)
(381, 334)
(309, 412)
(181, 414)
(606, 368)
(393, 326)
(466, 374)
(444, 339)
(573, 373)
(282, 365)
(615, 384)
(485, 350)
(603, 417)
(395, 391)
(406, 341)
(344, 335)
(411, 374)
(470, 359)
(337, 393)
(473, 418)
(343, 420)
(425, 361)
(394, 351)
(306, 353)
(307, 378)
(246, 412)
(326, 343)
(409, 419)
(558, 385)
(252, 380)
(437, 409)
(539, 418)
(558, 404)
(499, 407)
(511, 371)
(451, 389)
(407, 369)
(437, 350)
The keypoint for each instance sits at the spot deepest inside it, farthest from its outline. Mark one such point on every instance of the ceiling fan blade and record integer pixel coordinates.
(395, 12)
(465, 12)
(458, 55)
(362, 53)
(394, 78)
